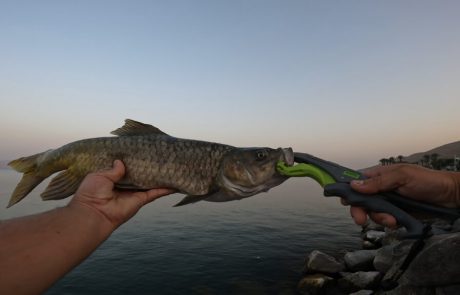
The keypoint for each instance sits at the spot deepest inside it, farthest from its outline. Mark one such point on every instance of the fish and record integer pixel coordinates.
(153, 159)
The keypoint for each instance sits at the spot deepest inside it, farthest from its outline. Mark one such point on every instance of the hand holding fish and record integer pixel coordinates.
(436, 187)
(39, 249)
(117, 206)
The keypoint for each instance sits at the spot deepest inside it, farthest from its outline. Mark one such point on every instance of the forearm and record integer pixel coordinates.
(37, 250)
(456, 187)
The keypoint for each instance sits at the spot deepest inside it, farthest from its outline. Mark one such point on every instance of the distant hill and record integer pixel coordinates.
(447, 151)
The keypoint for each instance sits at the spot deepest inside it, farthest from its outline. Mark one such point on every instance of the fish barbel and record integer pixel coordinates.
(202, 170)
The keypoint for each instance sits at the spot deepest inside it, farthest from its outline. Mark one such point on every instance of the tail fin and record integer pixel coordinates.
(30, 179)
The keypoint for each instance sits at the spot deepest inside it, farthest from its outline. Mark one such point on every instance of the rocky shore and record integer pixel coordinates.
(371, 270)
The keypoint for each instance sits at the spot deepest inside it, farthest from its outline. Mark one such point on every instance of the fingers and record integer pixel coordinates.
(384, 219)
(359, 215)
(116, 173)
(151, 195)
(379, 183)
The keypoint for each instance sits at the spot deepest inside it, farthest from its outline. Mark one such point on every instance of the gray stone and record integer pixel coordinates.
(314, 284)
(371, 225)
(318, 261)
(384, 258)
(393, 235)
(448, 290)
(360, 260)
(441, 224)
(437, 264)
(374, 236)
(367, 245)
(399, 253)
(363, 292)
(408, 290)
(456, 226)
(352, 282)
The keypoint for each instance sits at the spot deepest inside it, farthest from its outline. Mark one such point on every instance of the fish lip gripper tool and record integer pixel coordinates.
(335, 179)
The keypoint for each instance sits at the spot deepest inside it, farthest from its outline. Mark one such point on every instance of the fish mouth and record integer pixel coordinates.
(288, 155)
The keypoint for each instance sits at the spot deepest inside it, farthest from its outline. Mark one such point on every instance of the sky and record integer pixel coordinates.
(349, 81)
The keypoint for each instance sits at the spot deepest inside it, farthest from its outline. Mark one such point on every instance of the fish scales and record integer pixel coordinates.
(203, 170)
(151, 161)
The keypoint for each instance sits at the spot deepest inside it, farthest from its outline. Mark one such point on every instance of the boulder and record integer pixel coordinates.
(440, 226)
(393, 235)
(448, 290)
(360, 260)
(371, 225)
(456, 226)
(385, 257)
(367, 245)
(399, 253)
(363, 292)
(409, 290)
(318, 261)
(352, 282)
(374, 236)
(314, 284)
(437, 264)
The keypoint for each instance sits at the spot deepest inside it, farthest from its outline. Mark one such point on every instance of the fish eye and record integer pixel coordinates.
(260, 155)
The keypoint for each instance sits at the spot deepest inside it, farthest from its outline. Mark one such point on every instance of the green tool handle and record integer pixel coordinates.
(305, 170)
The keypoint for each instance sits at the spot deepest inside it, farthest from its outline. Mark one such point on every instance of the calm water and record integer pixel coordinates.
(255, 246)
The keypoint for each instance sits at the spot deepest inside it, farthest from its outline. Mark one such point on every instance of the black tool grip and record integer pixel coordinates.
(376, 203)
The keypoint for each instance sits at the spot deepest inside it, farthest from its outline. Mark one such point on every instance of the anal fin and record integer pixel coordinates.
(62, 186)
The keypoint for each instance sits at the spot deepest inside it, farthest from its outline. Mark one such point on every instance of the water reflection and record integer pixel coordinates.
(255, 245)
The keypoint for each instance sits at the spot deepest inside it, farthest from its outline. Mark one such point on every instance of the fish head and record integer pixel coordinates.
(248, 171)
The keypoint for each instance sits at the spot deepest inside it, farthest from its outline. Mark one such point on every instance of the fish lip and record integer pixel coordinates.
(288, 155)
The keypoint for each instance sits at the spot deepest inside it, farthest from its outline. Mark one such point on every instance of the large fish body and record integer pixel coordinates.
(202, 170)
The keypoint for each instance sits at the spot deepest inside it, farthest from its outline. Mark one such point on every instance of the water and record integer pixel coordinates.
(252, 246)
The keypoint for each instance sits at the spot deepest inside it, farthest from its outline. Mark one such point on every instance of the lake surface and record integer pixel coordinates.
(253, 246)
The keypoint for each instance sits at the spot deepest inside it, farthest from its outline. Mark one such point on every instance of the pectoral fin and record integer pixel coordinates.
(219, 196)
(190, 199)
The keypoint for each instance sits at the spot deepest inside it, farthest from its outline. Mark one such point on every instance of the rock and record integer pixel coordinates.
(384, 258)
(374, 236)
(352, 282)
(399, 253)
(441, 224)
(371, 225)
(367, 245)
(318, 261)
(448, 290)
(360, 260)
(393, 235)
(456, 226)
(363, 292)
(408, 290)
(314, 284)
(437, 264)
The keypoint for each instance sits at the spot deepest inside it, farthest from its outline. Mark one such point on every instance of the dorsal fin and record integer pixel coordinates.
(132, 127)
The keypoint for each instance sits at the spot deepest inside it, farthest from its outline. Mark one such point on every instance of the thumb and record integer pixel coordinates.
(115, 173)
(367, 186)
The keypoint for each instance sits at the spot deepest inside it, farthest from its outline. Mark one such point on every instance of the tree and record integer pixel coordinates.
(434, 160)
(426, 160)
(392, 160)
(400, 158)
